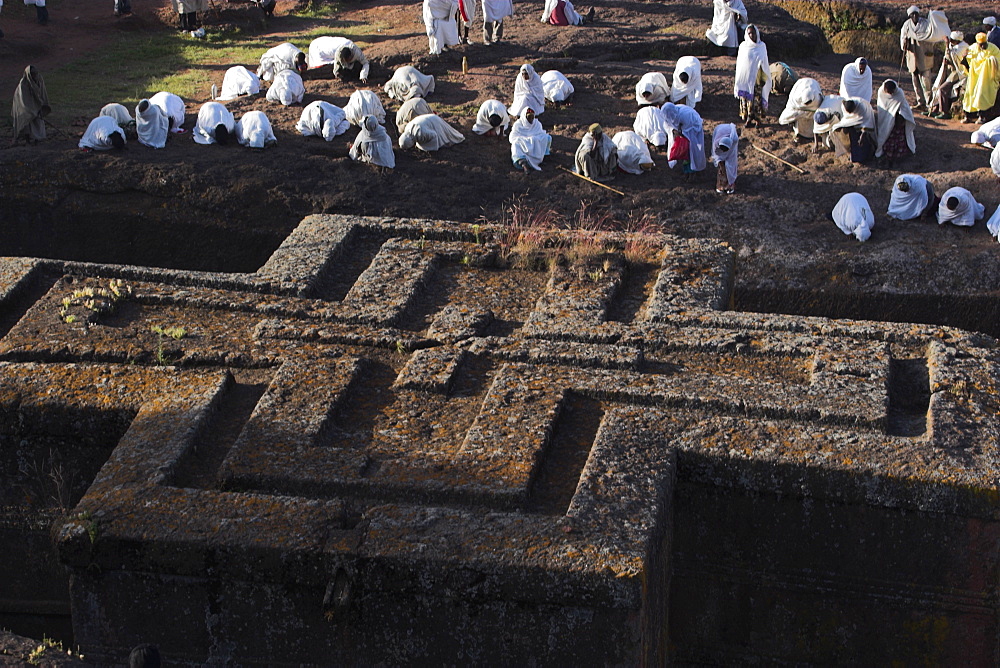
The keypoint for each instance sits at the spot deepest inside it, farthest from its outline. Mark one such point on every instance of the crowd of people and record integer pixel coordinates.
(666, 124)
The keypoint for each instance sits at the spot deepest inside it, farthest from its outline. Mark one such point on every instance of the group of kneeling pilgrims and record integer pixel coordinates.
(667, 119)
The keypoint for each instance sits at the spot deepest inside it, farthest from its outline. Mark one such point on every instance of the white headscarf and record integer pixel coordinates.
(373, 144)
(408, 82)
(689, 93)
(632, 152)
(910, 204)
(854, 215)
(172, 107)
(364, 103)
(656, 85)
(254, 130)
(487, 109)
(965, 214)
(727, 135)
(429, 132)
(239, 81)
(988, 133)
(529, 142)
(862, 116)
(723, 29)
(275, 59)
(888, 107)
(855, 84)
(649, 125)
(556, 86)
(803, 100)
(287, 88)
(322, 119)
(152, 125)
(210, 116)
(528, 93)
(751, 57)
(98, 133)
(687, 122)
(118, 112)
(415, 106)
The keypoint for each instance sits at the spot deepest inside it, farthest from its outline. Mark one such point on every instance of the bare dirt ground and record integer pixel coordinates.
(176, 205)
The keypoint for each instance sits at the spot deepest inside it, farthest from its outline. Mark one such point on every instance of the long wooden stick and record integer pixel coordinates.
(596, 183)
(795, 167)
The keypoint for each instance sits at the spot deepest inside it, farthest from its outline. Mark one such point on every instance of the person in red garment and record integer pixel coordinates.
(563, 13)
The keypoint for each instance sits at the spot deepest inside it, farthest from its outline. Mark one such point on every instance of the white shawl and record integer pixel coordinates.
(965, 214)
(988, 133)
(118, 112)
(910, 204)
(853, 215)
(855, 84)
(686, 121)
(863, 116)
(529, 142)
(528, 93)
(287, 88)
(833, 107)
(326, 51)
(152, 125)
(415, 106)
(254, 130)
(407, 82)
(888, 107)
(724, 19)
(239, 81)
(98, 134)
(497, 10)
(951, 68)
(726, 134)
(687, 93)
(439, 21)
(995, 160)
(752, 56)
(569, 11)
(172, 107)
(364, 103)
(373, 144)
(632, 152)
(322, 119)
(429, 132)
(650, 126)
(275, 59)
(487, 109)
(656, 85)
(993, 224)
(556, 86)
(803, 101)
(211, 115)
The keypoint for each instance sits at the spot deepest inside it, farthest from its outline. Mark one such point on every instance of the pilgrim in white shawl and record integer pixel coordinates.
(120, 113)
(30, 106)
(238, 81)
(151, 125)
(415, 106)
(439, 21)
(854, 216)
(364, 103)
(959, 207)
(803, 102)
(466, 17)
(686, 87)
(528, 92)
(346, 59)
(856, 80)
(995, 161)
(556, 86)
(285, 56)
(949, 85)
(912, 197)
(215, 124)
(993, 224)
(649, 125)
(287, 88)
(373, 145)
(856, 129)
(103, 134)
(172, 107)
(752, 86)
(830, 111)
(494, 12)
(429, 132)
(633, 153)
(492, 119)
(725, 157)
(597, 156)
(687, 143)
(894, 125)
(783, 77)
(988, 134)
(728, 19)
(407, 82)
(254, 130)
(563, 13)
(652, 88)
(529, 142)
(322, 119)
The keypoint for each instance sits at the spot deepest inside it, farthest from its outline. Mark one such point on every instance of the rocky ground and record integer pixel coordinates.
(227, 207)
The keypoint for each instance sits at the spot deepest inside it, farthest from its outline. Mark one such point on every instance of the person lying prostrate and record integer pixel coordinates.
(287, 88)
(254, 130)
(529, 143)
(347, 59)
(373, 145)
(151, 125)
(912, 197)
(687, 88)
(492, 119)
(633, 153)
(557, 87)
(959, 207)
(322, 119)
(988, 134)
(408, 82)
(239, 81)
(215, 124)
(854, 216)
(528, 92)
(428, 133)
(649, 125)
(652, 88)
(415, 106)
(285, 56)
(364, 103)
(172, 107)
(103, 134)
(993, 224)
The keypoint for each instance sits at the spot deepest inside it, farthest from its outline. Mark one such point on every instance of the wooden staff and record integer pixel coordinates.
(596, 183)
(784, 162)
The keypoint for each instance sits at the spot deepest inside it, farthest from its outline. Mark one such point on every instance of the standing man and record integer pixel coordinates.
(982, 67)
(991, 30)
(494, 12)
(440, 23)
(914, 40)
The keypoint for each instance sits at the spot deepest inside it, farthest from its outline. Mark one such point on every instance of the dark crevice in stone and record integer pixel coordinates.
(22, 299)
(909, 397)
(633, 292)
(335, 282)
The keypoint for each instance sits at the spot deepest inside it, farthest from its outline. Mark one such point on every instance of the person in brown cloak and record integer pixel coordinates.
(31, 105)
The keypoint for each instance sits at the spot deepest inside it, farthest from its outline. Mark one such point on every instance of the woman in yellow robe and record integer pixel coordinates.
(982, 64)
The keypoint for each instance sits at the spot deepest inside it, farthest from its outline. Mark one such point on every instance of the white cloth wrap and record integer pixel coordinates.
(649, 125)
(429, 132)
(172, 107)
(98, 133)
(287, 88)
(988, 133)
(855, 84)
(152, 125)
(497, 10)
(254, 130)
(687, 93)
(322, 119)
(725, 16)
(726, 133)
(528, 93)
(888, 107)
(275, 59)
(804, 100)
(853, 215)
(487, 109)
(239, 81)
(632, 152)
(211, 115)
(965, 214)
(364, 103)
(556, 86)
(656, 85)
(751, 57)
(119, 112)
(440, 24)
(373, 144)
(529, 142)
(407, 82)
(910, 204)
(687, 122)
